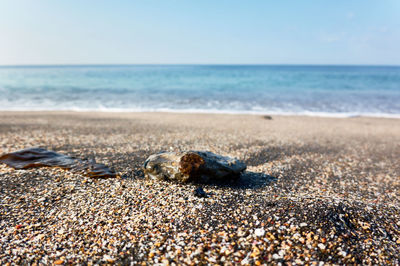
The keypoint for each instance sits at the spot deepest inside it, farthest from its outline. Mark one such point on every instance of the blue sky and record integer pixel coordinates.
(200, 32)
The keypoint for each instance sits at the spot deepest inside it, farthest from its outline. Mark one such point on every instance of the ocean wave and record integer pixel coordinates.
(206, 111)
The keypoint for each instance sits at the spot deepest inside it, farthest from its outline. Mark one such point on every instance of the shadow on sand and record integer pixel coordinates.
(247, 180)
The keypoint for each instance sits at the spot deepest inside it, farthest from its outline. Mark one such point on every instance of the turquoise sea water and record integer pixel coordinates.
(311, 90)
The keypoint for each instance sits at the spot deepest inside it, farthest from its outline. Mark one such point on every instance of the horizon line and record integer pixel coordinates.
(192, 64)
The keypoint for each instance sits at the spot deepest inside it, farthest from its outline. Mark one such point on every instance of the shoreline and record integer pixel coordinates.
(315, 189)
(214, 112)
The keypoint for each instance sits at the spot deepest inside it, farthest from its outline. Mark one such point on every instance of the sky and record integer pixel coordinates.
(361, 32)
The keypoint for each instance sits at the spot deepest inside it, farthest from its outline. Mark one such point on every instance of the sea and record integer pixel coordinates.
(315, 90)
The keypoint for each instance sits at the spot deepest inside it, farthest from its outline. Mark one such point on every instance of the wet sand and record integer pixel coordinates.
(316, 189)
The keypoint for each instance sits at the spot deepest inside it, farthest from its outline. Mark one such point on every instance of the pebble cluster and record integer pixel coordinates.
(307, 197)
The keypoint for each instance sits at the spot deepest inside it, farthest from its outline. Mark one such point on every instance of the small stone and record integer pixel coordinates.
(41, 199)
(321, 246)
(276, 256)
(303, 224)
(18, 226)
(259, 232)
(108, 258)
(192, 166)
(199, 192)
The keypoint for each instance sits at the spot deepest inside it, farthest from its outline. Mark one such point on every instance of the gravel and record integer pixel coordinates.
(316, 190)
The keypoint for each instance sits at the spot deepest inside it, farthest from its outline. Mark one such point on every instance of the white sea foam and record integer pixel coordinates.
(204, 111)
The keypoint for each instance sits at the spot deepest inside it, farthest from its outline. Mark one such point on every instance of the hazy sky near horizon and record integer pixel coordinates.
(200, 32)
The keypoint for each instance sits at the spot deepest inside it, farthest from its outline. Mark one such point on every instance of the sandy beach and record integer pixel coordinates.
(315, 189)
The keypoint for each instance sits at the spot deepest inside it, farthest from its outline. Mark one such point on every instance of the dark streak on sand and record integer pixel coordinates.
(39, 157)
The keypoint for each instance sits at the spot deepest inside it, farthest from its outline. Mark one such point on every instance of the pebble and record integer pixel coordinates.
(259, 232)
(199, 192)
